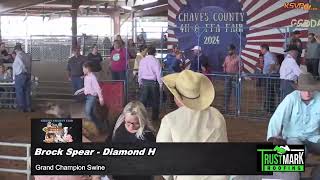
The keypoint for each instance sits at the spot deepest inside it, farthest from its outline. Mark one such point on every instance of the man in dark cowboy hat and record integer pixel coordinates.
(297, 118)
(289, 71)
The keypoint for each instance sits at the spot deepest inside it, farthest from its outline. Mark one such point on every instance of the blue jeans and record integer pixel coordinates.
(228, 86)
(151, 94)
(90, 108)
(77, 83)
(23, 91)
(118, 75)
(286, 87)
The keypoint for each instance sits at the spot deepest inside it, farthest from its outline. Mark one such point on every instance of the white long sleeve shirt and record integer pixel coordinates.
(289, 69)
(18, 66)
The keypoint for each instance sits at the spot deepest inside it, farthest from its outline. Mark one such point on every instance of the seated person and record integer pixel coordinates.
(3, 74)
(297, 118)
(133, 127)
(5, 57)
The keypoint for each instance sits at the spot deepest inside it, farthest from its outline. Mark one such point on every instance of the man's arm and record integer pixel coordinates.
(140, 72)
(224, 64)
(296, 69)
(282, 113)
(97, 88)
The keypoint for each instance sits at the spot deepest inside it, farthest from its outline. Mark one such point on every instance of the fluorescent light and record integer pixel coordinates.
(126, 7)
(145, 9)
(143, 2)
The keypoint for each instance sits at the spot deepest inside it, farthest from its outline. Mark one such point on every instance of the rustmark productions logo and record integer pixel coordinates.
(281, 158)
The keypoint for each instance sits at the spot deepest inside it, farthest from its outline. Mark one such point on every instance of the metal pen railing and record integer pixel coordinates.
(26, 158)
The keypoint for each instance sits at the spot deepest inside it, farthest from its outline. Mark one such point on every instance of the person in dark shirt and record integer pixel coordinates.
(133, 127)
(178, 63)
(95, 58)
(74, 68)
(132, 49)
(170, 59)
(200, 63)
(5, 57)
(295, 40)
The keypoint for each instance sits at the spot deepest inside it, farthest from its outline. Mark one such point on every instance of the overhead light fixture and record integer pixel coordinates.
(126, 8)
(145, 9)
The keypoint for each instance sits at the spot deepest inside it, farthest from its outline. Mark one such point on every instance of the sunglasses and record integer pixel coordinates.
(135, 124)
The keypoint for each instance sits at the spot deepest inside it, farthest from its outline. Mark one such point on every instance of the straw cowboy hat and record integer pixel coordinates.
(193, 89)
(306, 82)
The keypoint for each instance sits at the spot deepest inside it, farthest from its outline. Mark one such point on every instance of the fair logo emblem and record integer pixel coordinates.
(116, 57)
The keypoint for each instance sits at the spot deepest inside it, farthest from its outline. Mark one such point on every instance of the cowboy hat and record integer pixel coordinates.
(193, 89)
(306, 82)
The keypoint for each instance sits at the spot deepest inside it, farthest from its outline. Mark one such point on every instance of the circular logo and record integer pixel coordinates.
(116, 57)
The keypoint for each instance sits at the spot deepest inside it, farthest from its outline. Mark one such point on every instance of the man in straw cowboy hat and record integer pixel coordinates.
(195, 120)
(297, 118)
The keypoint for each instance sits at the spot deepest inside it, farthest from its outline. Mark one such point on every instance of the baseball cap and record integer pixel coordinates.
(196, 48)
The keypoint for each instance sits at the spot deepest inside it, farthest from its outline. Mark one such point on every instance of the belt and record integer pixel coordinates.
(148, 80)
(23, 73)
(288, 80)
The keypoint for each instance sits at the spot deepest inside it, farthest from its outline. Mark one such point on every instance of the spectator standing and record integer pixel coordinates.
(296, 41)
(95, 58)
(149, 78)
(140, 55)
(289, 71)
(118, 62)
(165, 39)
(141, 40)
(74, 68)
(22, 78)
(178, 64)
(269, 70)
(313, 55)
(170, 59)
(4, 56)
(259, 68)
(143, 34)
(119, 39)
(231, 66)
(195, 121)
(132, 49)
(200, 63)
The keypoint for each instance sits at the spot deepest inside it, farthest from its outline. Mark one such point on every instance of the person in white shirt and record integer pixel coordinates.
(289, 71)
(22, 79)
(195, 120)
